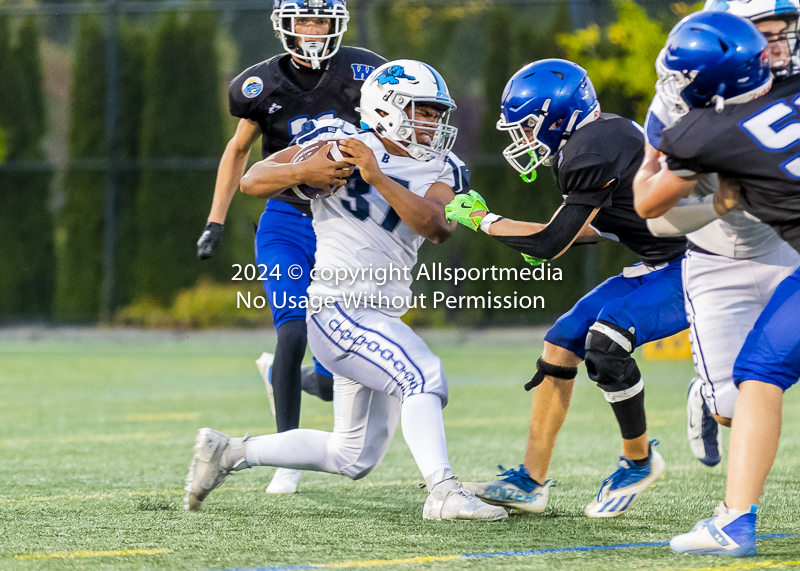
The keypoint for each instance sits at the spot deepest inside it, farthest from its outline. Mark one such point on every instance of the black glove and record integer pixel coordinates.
(209, 240)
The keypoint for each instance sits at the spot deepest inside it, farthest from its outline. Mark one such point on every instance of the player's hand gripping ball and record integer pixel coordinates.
(467, 209)
(327, 170)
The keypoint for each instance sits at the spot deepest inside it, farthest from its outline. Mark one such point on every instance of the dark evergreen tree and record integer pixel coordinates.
(80, 266)
(182, 119)
(27, 263)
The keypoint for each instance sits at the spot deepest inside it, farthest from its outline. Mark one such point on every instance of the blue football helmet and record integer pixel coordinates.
(543, 104)
(712, 58)
(312, 49)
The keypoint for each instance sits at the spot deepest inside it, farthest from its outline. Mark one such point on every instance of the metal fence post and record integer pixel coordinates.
(108, 290)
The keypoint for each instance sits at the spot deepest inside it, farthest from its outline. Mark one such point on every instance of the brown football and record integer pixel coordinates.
(308, 192)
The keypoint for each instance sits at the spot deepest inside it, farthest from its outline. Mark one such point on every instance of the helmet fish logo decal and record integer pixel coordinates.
(394, 74)
(252, 87)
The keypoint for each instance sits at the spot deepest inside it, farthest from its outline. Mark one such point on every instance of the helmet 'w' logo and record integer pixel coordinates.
(394, 74)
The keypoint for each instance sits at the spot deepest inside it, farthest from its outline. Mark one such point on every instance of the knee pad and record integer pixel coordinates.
(609, 362)
(545, 369)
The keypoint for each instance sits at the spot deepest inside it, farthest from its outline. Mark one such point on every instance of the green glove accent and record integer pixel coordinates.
(533, 260)
(461, 208)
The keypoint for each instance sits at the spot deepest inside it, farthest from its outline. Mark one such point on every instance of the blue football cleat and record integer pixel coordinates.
(622, 489)
(516, 489)
(705, 437)
(729, 532)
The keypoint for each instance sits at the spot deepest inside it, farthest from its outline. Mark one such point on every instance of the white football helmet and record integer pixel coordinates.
(758, 10)
(391, 89)
(312, 49)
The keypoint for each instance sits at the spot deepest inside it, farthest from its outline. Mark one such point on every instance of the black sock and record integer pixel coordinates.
(286, 381)
(315, 384)
(630, 416)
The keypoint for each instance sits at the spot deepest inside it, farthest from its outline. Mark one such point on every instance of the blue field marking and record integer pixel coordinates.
(424, 559)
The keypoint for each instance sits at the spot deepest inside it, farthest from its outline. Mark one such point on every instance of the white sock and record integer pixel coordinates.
(423, 431)
(299, 449)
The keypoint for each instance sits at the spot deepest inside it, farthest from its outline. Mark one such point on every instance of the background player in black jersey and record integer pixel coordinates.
(755, 143)
(552, 113)
(315, 79)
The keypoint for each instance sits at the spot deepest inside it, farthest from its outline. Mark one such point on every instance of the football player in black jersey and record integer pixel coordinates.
(552, 114)
(736, 126)
(733, 264)
(315, 79)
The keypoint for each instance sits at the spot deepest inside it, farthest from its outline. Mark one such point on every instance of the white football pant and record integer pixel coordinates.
(724, 297)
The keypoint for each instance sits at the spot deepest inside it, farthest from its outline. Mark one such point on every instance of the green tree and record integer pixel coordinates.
(26, 280)
(619, 58)
(182, 119)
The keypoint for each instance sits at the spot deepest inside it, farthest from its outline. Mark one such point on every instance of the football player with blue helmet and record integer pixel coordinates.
(729, 93)
(551, 111)
(734, 262)
(315, 79)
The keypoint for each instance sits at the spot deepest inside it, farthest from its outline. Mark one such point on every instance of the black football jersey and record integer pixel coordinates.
(596, 168)
(757, 143)
(263, 93)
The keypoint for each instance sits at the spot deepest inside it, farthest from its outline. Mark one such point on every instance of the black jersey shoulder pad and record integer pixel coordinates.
(253, 85)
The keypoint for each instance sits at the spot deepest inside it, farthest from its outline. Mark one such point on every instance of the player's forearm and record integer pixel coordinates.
(424, 216)
(655, 189)
(545, 241)
(509, 227)
(684, 218)
(543, 244)
(267, 178)
(231, 168)
(655, 194)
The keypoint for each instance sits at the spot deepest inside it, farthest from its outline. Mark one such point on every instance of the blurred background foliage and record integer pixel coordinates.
(173, 68)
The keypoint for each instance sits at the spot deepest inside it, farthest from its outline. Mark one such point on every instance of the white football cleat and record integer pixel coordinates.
(215, 456)
(515, 489)
(284, 481)
(449, 500)
(264, 364)
(729, 532)
(622, 489)
(705, 437)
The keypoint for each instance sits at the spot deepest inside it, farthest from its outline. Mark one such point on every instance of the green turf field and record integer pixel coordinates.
(97, 435)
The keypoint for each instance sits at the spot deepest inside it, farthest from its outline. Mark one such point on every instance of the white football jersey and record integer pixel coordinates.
(736, 235)
(357, 230)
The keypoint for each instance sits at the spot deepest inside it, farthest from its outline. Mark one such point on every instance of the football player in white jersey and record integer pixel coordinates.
(368, 231)
(733, 263)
